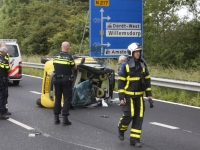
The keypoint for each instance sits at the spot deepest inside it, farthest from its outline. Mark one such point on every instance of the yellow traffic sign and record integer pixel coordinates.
(102, 2)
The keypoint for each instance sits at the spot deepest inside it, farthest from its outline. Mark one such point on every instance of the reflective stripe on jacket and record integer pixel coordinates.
(4, 67)
(7, 57)
(63, 63)
(63, 60)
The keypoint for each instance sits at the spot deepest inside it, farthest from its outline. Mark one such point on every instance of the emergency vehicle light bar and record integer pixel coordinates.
(8, 40)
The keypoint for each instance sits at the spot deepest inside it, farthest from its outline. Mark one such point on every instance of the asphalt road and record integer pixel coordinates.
(166, 126)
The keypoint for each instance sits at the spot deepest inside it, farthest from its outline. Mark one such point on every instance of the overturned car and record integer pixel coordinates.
(93, 79)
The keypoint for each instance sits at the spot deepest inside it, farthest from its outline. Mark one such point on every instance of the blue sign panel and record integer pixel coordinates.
(114, 24)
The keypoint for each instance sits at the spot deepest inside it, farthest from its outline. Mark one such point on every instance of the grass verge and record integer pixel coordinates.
(33, 71)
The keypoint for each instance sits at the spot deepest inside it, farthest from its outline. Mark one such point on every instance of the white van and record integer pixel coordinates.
(15, 74)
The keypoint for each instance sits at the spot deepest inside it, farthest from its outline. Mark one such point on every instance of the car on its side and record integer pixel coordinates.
(100, 76)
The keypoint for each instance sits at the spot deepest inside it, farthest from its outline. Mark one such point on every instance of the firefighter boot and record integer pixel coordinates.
(121, 134)
(66, 121)
(56, 119)
(3, 117)
(135, 142)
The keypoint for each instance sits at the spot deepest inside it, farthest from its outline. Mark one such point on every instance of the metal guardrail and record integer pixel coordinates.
(32, 65)
(178, 84)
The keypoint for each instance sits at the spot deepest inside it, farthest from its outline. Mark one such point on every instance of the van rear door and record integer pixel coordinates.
(15, 73)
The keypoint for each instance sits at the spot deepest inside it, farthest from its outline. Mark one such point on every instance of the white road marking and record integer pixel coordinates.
(164, 125)
(20, 124)
(187, 131)
(163, 101)
(35, 92)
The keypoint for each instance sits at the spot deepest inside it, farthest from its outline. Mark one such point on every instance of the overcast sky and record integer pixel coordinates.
(184, 11)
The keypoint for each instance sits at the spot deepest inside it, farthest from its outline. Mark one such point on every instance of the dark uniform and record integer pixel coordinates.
(4, 67)
(7, 57)
(63, 64)
(133, 81)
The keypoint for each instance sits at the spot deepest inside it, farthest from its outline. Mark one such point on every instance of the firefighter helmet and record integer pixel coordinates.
(133, 47)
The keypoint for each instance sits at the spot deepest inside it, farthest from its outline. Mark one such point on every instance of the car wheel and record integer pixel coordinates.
(44, 60)
(16, 82)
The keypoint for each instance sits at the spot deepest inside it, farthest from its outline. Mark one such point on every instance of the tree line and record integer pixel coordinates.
(41, 25)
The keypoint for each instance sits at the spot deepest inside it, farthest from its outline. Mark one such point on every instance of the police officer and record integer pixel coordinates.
(133, 81)
(63, 64)
(7, 57)
(4, 68)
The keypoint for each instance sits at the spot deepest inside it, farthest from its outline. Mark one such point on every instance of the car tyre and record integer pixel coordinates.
(16, 82)
(38, 102)
(44, 60)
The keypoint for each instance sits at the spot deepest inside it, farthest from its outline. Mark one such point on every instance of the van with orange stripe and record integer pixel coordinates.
(15, 74)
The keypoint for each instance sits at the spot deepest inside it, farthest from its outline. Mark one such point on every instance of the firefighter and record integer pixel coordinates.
(7, 57)
(4, 68)
(63, 64)
(133, 82)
